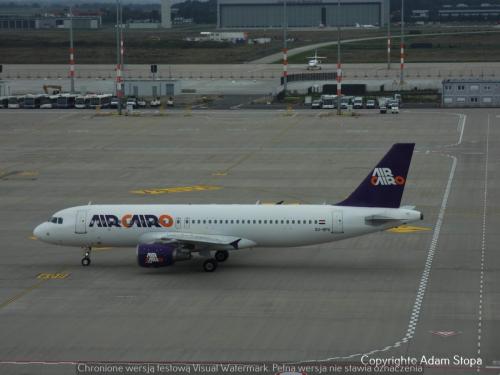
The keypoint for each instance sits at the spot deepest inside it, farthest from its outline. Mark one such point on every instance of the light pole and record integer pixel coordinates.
(122, 66)
(118, 59)
(285, 50)
(71, 52)
(339, 67)
(389, 34)
(402, 57)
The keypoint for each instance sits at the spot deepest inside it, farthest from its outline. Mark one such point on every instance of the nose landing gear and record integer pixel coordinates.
(86, 256)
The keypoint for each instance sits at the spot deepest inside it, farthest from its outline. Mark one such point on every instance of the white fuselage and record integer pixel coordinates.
(258, 225)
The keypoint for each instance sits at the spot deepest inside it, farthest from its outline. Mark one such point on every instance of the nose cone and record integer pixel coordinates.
(41, 232)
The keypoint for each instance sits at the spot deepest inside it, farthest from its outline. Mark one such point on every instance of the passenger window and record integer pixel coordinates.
(227, 221)
(237, 221)
(298, 221)
(255, 221)
(265, 221)
(232, 221)
(288, 221)
(260, 221)
(310, 221)
(293, 221)
(204, 221)
(315, 221)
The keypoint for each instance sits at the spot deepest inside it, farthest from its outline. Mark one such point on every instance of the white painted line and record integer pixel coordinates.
(415, 314)
(483, 243)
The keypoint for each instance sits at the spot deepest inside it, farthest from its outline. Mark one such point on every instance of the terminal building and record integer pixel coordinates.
(11, 22)
(300, 13)
(150, 88)
(471, 93)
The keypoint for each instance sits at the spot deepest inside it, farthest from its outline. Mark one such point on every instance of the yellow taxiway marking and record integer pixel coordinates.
(33, 238)
(28, 173)
(42, 279)
(180, 189)
(408, 229)
(219, 174)
(51, 276)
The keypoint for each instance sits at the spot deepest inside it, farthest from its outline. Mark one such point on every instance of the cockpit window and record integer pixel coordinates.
(56, 220)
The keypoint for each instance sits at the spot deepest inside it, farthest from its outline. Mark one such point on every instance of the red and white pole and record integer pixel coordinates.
(339, 79)
(118, 81)
(389, 51)
(285, 68)
(72, 63)
(402, 61)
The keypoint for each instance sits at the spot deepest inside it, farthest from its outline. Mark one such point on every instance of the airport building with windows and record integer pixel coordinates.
(471, 93)
(300, 13)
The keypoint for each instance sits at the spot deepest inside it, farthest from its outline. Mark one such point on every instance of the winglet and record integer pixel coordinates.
(235, 244)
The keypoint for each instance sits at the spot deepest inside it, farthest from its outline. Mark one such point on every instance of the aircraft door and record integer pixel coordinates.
(178, 223)
(81, 222)
(337, 222)
(186, 223)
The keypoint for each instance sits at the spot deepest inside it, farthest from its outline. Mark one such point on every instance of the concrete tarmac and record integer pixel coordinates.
(433, 291)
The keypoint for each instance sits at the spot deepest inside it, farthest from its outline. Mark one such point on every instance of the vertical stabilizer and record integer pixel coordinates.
(384, 185)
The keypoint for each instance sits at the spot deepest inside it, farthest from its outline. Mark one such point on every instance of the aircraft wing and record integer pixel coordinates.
(199, 240)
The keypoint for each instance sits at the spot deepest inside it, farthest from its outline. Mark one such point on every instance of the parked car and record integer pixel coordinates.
(155, 102)
(370, 104)
(357, 103)
(316, 104)
(141, 103)
(383, 108)
(114, 102)
(131, 101)
(394, 109)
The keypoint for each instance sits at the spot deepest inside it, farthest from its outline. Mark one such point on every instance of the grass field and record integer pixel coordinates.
(169, 47)
(143, 47)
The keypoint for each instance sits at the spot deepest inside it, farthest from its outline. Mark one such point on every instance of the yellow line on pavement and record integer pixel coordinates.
(179, 189)
(43, 277)
(408, 229)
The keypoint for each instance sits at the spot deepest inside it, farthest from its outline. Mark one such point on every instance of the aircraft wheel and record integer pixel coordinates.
(221, 255)
(86, 261)
(210, 265)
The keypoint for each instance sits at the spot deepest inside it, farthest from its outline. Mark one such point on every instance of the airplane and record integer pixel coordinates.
(366, 26)
(166, 234)
(314, 61)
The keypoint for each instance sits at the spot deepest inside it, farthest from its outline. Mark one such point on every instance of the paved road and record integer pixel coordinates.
(430, 292)
(51, 74)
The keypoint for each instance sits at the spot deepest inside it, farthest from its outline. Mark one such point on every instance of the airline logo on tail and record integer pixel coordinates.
(384, 176)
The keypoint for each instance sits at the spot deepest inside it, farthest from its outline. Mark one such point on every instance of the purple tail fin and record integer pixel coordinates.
(384, 185)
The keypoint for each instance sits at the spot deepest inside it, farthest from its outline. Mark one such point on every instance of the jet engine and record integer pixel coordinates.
(160, 255)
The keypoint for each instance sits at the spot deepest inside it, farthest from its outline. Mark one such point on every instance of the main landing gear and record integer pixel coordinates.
(210, 265)
(86, 256)
(221, 255)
